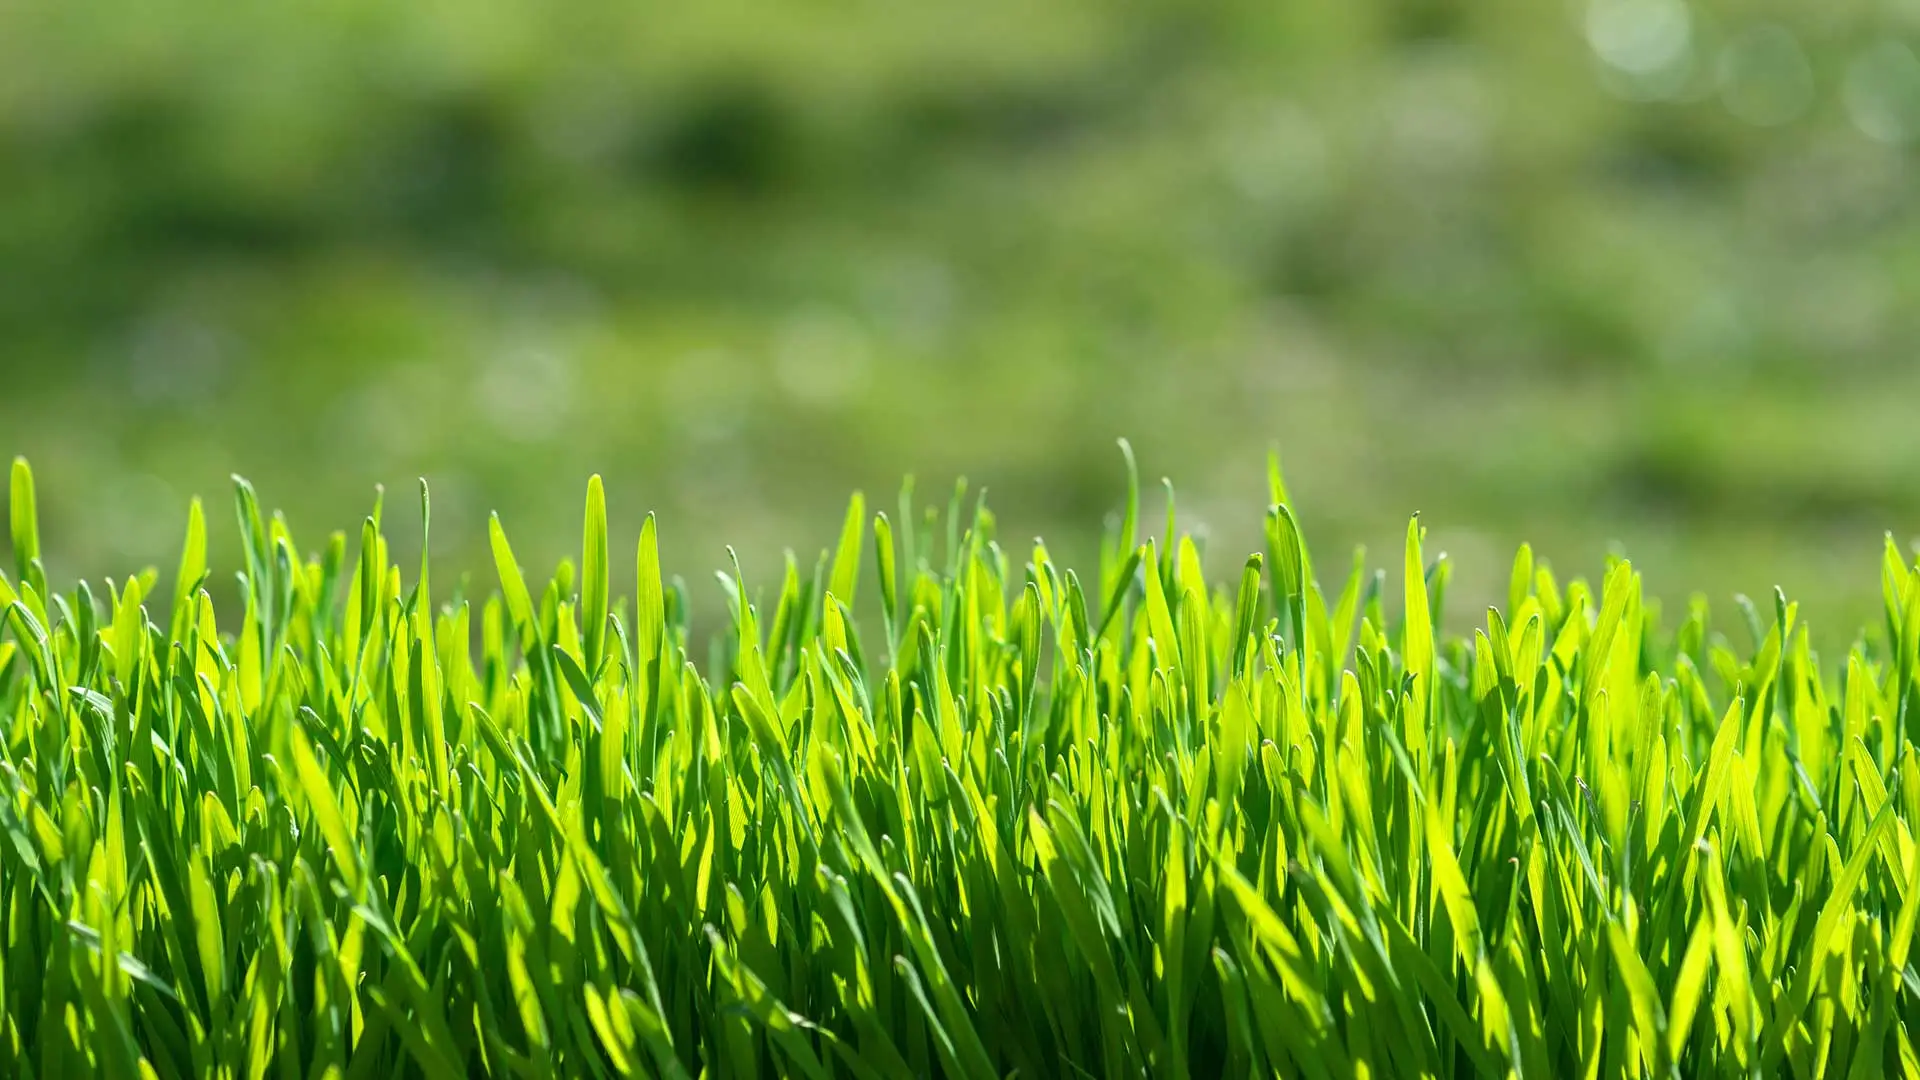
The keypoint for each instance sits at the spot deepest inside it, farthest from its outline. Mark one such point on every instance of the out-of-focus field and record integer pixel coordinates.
(1632, 271)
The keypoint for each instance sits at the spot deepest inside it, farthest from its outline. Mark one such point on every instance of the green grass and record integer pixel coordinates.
(938, 805)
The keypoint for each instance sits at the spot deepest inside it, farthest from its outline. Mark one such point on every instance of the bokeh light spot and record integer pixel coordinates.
(1882, 92)
(1764, 76)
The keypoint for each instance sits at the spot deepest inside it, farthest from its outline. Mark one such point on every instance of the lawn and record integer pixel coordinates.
(940, 804)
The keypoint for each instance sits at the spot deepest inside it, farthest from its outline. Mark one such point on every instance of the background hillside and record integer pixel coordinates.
(1632, 271)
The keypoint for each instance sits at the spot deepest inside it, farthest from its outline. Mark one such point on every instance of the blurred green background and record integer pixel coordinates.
(1618, 272)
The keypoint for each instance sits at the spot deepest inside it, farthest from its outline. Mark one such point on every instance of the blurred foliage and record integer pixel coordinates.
(1626, 270)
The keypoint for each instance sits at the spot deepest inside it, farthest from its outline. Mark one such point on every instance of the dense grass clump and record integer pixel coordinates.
(983, 818)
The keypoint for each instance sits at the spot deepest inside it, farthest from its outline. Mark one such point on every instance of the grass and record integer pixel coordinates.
(935, 805)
